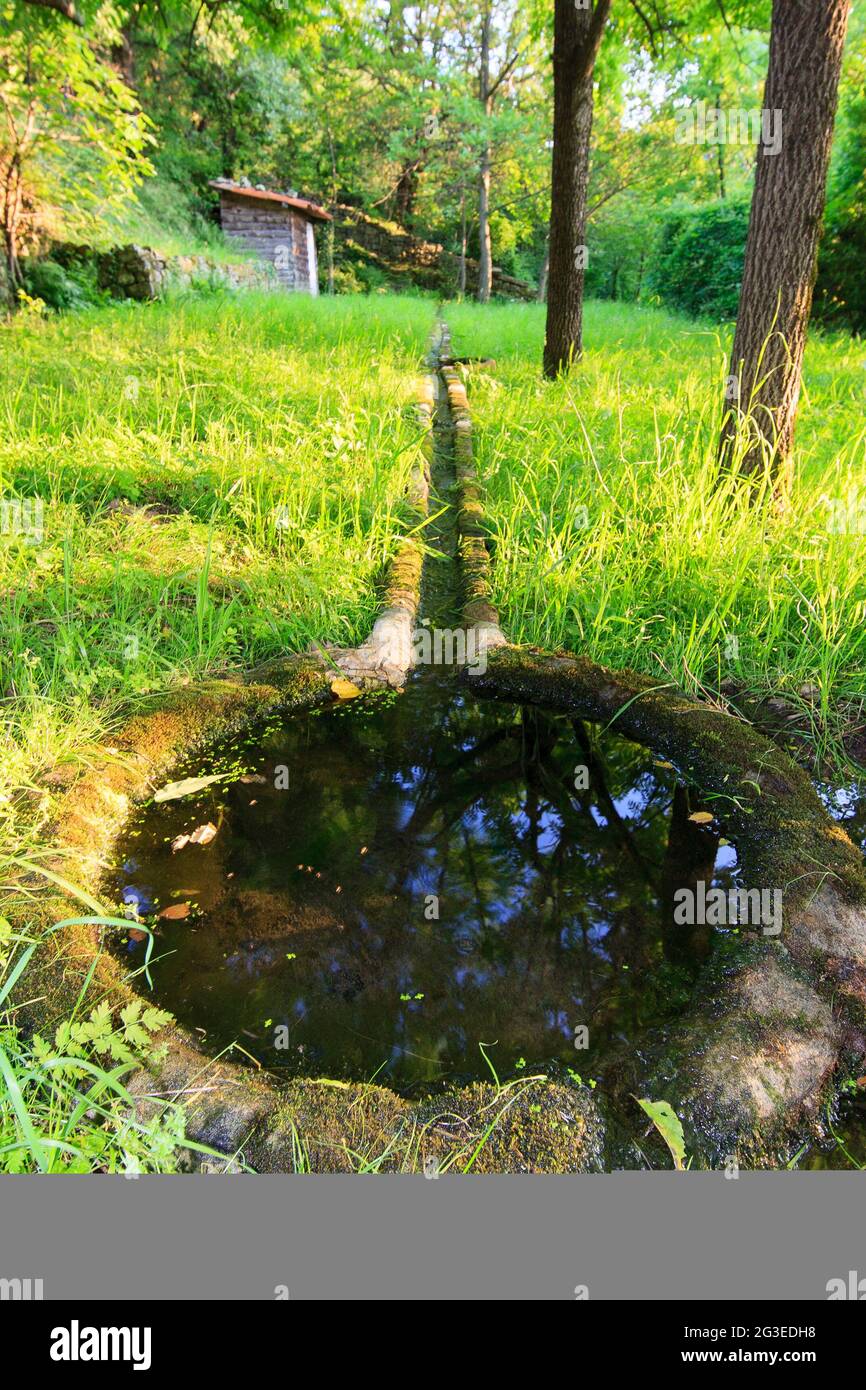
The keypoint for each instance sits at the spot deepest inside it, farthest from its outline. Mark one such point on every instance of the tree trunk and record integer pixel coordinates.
(331, 232)
(123, 55)
(405, 193)
(689, 857)
(544, 272)
(485, 259)
(640, 270)
(577, 36)
(12, 202)
(11, 263)
(461, 284)
(485, 255)
(806, 44)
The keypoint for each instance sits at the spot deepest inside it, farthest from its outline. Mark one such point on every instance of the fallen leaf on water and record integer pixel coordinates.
(204, 834)
(701, 817)
(343, 689)
(186, 787)
(137, 935)
(176, 912)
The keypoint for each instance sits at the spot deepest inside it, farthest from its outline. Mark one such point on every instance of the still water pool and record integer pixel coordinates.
(396, 880)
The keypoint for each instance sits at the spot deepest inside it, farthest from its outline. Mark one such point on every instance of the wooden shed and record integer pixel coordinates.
(279, 227)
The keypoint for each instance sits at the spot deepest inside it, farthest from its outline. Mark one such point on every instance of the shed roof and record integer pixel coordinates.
(301, 205)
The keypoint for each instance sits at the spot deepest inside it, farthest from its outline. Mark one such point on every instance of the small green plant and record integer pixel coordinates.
(57, 287)
(669, 1127)
(64, 1104)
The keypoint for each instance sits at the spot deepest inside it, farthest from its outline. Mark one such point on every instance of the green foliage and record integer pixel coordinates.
(59, 287)
(73, 138)
(697, 264)
(64, 1105)
(123, 1038)
(620, 244)
(840, 293)
(378, 106)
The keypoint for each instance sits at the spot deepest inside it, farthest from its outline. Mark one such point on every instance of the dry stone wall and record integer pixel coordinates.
(139, 272)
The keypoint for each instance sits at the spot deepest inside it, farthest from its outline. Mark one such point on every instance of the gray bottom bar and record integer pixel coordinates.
(621, 1236)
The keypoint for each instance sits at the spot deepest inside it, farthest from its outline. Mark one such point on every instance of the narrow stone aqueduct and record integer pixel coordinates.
(776, 1024)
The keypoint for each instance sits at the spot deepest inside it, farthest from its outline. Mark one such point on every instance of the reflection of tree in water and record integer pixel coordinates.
(847, 804)
(554, 901)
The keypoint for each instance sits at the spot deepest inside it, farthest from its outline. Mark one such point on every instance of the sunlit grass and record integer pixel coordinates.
(220, 479)
(612, 536)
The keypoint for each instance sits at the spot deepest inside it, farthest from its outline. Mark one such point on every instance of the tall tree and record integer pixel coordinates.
(577, 34)
(489, 85)
(485, 259)
(578, 29)
(72, 135)
(806, 45)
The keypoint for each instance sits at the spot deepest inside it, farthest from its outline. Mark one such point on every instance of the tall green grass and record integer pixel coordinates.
(222, 479)
(613, 536)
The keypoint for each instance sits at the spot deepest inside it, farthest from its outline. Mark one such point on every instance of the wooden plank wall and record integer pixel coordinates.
(274, 231)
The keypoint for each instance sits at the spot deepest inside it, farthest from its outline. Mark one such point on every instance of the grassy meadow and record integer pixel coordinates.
(196, 485)
(220, 480)
(612, 535)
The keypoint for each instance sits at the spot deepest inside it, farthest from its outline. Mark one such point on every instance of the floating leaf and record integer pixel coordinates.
(172, 790)
(701, 817)
(343, 689)
(668, 1125)
(203, 834)
(176, 912)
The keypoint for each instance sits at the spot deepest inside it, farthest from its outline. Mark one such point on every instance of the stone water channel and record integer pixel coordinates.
(419, 885)
(471, 874)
